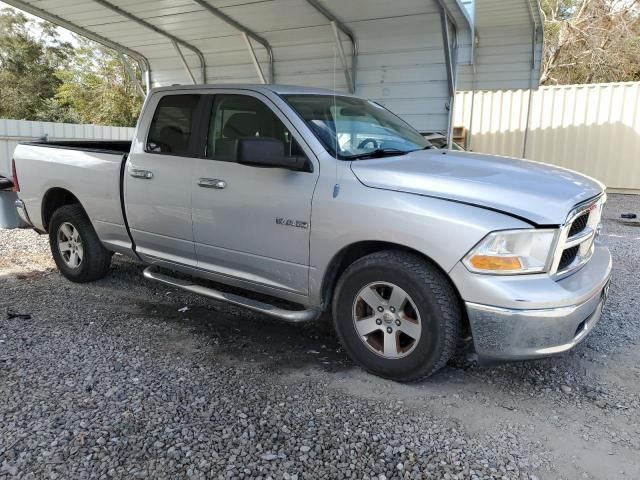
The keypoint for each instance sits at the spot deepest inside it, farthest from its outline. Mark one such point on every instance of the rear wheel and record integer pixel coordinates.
(75, 246)
(397, 315)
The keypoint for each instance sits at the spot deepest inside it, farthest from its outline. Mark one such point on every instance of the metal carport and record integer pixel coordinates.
(411, 55)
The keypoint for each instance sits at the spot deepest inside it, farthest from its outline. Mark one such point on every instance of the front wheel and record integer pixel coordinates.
(76, 248)
(397, 315)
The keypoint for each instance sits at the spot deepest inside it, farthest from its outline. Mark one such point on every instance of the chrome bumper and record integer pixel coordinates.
(22, 213)
(521, 333)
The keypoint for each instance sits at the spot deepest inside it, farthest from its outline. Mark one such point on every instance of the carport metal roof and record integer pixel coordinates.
(408, 54)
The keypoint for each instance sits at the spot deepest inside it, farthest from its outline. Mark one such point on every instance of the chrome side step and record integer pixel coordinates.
(291, 316)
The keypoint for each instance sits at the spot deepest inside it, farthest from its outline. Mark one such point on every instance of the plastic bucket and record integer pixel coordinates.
(8, 214)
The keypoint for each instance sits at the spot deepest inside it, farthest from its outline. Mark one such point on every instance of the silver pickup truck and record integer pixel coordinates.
(302, 201)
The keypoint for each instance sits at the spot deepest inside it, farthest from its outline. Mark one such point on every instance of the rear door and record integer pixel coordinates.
(158, 178)
(252, 223)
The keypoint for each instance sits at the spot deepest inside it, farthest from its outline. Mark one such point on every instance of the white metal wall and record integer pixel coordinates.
(401, 65)
(506, 57)
(13, 132)
(594, 129)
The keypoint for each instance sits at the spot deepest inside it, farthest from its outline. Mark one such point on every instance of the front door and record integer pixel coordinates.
(158, 180)
(252, 223)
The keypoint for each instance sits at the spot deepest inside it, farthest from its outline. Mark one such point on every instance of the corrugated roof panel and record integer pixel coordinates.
(401, 61)
(359, 10)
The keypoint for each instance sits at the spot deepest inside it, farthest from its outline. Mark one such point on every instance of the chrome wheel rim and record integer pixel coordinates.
(70, 245)
(387, 320)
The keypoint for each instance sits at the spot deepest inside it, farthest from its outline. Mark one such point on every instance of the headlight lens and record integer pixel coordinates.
(512, 252)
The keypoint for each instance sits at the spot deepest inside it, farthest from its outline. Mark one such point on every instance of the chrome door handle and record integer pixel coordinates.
(212, 183)
(144, 174)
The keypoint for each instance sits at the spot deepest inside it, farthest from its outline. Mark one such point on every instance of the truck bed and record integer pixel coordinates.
(91, 171)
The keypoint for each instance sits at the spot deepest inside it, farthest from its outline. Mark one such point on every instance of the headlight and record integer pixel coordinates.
(512, 252)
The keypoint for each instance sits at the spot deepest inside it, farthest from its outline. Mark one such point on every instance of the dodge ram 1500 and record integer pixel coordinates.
(330, 203)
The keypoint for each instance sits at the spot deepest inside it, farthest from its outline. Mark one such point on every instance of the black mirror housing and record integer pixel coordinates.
(267, 152)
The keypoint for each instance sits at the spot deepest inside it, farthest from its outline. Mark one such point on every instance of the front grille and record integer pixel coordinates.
(575, 246)
(579, 224)
(568, 256)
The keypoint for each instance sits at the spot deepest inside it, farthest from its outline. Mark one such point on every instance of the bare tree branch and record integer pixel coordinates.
(591, 41)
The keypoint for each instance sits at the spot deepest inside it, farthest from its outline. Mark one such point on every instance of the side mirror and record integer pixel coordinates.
(267, 152)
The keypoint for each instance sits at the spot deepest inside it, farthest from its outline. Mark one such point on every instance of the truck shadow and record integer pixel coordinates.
(233, 333)
(236, 335)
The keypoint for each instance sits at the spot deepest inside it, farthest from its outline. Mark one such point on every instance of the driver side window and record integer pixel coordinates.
(240, 116)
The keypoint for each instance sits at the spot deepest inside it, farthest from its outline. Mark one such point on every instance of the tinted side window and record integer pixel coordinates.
(239, 116)
(172, 126)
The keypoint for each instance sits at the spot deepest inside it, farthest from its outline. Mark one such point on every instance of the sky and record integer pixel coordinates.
(65, 35)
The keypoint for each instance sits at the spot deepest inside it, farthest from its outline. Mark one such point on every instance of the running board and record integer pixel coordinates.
(291, 316)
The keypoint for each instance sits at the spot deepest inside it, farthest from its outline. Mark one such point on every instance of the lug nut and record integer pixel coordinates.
(389, 330)
(393, 310)
(380, 309)
(398, 322)
(378, 321)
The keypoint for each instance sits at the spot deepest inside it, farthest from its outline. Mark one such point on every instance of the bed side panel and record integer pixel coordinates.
(90, 175)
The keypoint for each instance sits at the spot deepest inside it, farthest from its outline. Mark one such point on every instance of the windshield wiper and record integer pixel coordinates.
(378, 153)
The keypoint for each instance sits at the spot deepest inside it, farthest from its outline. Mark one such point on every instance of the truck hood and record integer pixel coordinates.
(540, 193)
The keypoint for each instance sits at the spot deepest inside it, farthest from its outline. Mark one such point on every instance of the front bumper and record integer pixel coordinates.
(529, 330)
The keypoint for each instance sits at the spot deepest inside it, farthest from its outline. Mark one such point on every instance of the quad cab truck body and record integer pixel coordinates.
(330, 203)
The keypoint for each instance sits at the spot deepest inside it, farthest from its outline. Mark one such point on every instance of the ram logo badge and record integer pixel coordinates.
(287, 222)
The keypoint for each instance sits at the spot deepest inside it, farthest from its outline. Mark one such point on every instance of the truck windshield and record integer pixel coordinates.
(353, 128)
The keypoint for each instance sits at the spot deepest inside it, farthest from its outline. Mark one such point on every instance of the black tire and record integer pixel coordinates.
(434, 297)
(96, 259)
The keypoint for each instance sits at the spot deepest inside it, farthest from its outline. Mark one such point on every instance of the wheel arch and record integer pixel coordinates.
(355, 251)
(52, 200)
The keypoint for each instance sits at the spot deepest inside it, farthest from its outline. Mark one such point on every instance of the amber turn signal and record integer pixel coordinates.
(489, 262)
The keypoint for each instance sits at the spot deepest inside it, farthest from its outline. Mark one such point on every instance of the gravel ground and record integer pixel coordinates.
(112, 380)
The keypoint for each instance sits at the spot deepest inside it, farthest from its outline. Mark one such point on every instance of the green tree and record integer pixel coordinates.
(44, 78)
(97, 87)
(30, 57)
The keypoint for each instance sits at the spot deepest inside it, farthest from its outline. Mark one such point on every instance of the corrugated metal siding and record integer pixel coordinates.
(401, 55)
(402, 66)
(13, 132)
(507, 57)
(594, 129)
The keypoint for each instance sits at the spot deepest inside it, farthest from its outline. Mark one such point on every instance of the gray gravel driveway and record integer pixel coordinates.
(114, 380)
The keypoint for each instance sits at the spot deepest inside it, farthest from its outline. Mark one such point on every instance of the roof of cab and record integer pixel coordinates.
(256, 87)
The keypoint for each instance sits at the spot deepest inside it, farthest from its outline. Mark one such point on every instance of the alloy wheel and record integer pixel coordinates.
(387, 320)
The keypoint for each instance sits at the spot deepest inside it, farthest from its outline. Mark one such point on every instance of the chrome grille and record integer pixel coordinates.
(579, 224)
(576, 241)
(568, 256)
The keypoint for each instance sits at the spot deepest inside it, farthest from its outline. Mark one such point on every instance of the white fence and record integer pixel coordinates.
(594, 129)
(13, 132)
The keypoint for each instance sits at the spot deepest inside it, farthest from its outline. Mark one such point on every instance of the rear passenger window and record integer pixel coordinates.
(171, 129)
